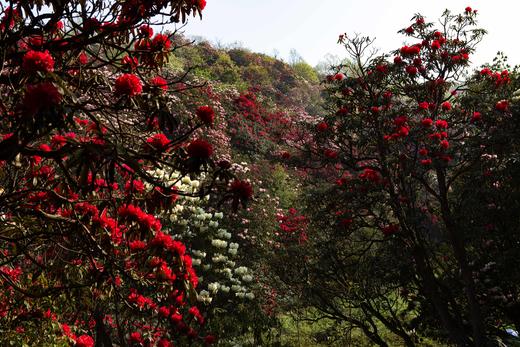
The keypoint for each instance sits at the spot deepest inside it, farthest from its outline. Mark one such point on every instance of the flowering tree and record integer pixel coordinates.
(90, 115)
(417, 164)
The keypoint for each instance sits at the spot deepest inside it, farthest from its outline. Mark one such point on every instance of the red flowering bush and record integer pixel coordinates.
(85, 258)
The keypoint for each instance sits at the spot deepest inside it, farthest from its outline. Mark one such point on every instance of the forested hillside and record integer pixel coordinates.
(160, 191)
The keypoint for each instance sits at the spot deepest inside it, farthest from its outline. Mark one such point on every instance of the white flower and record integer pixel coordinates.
(219, 215)
(250, 296)
(242, 270)
(213, 287)
(247, 278)
(219, 243)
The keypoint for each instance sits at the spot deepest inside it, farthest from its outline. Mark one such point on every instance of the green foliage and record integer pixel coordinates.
(306, 72)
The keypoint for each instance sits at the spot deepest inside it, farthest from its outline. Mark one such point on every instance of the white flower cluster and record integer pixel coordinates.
(190, 221)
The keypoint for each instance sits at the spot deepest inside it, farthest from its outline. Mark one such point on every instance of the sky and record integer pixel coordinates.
(311, 27)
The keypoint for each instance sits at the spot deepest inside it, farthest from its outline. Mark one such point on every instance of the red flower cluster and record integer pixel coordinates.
(410, 50)
(161, 42)
(34, 61)
(206, 114)
(134, 213)
(242, 189)
(502, 105)
(128, 84)
(322, 127)
(158, 142)
(370, 175)
(159, 82)
(390, 229)
(200, 149)
(41, 97)
(146, 30)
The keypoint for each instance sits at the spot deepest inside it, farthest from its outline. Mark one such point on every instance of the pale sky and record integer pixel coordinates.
(312, 26)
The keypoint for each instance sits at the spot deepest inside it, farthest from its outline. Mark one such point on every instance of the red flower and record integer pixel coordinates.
(411, 70)
(130, 63)
(445, 144)
(446, 106)
(41, 96)
(398, 60)
(423, 152)
(206, 114)
(83, 58)
(34, 61)
(146, 30)
(242, 189)
(468, 9)
(84, 341)
(435, 45)
(201, 4)
(137, 245)
(128, 84)
(424, 105)
(404, 131)
(476, 117)
(210, 339)
(441, 123)
(322, 127)
(401, 120)
(330, 153)
(339, 77)
(159, 82)
(161, 42)
(158, 142)
(200, 149)
(164, 343)
(370, 175)
(427, 122)
(426, 162)
(390, 229)
(136, 337)
(502, 105)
